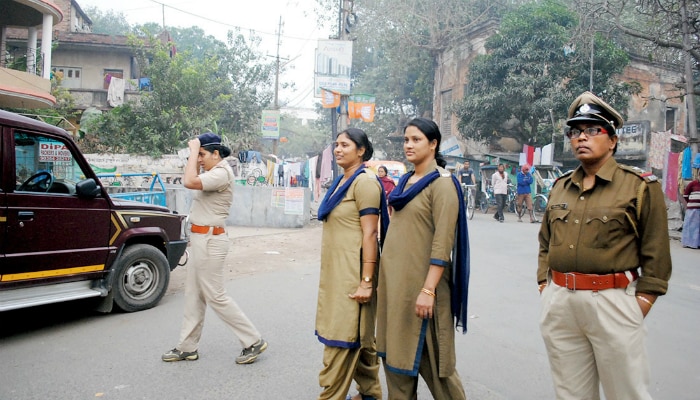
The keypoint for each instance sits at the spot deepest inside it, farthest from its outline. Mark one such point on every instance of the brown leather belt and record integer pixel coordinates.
(578, 281)
(217, 230)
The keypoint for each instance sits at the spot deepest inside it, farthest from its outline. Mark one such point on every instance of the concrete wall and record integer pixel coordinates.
(93, 63)
(253, 206)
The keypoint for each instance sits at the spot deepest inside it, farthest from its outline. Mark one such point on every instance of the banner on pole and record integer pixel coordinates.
(329, 98)
(270, 124)
(361, 106)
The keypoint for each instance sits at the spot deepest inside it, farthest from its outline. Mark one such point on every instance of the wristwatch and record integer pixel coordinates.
(367, 279)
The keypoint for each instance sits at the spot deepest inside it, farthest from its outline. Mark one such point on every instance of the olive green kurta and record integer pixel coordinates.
(422, 231)
(338, 316)
(597, 231)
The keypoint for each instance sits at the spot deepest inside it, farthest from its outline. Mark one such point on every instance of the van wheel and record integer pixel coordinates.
(141, 278)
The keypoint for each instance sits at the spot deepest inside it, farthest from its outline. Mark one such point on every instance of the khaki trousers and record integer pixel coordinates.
(404, 387)
(595, 338)
(341, 365)
(205, 286)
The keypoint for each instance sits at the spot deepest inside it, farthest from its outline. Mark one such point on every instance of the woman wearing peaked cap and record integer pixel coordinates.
(604, 258)
(209, 245)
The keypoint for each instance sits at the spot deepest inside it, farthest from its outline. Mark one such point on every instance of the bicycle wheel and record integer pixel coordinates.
(470, 207)
(540, 203)
(510, 204)
(484, 203)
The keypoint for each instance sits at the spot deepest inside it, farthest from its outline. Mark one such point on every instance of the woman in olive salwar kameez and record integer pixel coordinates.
(346, 310)
(424, 273)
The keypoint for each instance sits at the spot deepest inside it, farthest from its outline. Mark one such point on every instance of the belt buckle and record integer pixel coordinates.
(573, 281)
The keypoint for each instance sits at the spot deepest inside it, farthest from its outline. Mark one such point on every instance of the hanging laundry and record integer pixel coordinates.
(115, 92)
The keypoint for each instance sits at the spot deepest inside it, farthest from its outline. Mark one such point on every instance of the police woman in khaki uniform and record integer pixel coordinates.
(604, 259)
(209, 246)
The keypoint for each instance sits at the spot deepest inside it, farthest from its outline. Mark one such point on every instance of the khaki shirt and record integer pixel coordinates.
(212, 204)
(598, 231)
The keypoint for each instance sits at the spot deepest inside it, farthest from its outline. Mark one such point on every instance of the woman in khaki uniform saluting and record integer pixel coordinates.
(209, 246)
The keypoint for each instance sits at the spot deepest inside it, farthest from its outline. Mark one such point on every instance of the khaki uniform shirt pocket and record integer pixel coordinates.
(605, 226)
(558, 220)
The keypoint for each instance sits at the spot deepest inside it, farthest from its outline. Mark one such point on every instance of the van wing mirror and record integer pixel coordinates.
(87, 188)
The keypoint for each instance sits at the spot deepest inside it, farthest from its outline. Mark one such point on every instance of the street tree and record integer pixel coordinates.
(396, 44)
(108, 22)
(190, 95)
(535, 64)
(665, 31)
(301, 139)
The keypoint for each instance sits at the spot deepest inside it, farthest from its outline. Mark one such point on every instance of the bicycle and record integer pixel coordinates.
(510, 200)
(539, 204)
(469, 202)
(486, 200)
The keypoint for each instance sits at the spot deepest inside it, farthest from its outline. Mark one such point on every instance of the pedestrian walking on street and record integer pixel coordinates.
(422, 291)
(499, 182)
(524, 192)
(209, 245)
(691, 222)
(346, 308)
(604, 259)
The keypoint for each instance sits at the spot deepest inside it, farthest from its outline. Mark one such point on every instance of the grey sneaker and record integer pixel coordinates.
(250, 354)
(177, 355)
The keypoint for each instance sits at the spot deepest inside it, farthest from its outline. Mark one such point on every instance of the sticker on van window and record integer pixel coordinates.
(52, 151)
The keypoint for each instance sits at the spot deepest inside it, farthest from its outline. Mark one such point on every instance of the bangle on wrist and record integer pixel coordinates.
(644, 299)
(366, 287)
(369, 261)
(428, 292)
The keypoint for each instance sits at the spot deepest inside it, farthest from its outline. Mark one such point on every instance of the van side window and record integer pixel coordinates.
(44, 164)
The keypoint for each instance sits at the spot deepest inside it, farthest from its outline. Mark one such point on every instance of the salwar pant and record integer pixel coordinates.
(595, 338)
(342, 365)
(205, 286)
(404, 387)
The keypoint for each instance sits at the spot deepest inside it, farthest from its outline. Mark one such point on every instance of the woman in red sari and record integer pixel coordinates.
(387, 183)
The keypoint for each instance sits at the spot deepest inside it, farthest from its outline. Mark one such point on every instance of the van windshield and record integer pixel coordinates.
(44, 164)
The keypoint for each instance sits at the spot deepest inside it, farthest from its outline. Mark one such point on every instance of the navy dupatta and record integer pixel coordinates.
(334, 197)
(459, 279)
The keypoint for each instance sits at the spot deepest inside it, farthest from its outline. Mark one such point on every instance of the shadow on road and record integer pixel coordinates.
(32, 319)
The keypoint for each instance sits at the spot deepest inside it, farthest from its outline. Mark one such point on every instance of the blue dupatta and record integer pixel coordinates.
(333, 198)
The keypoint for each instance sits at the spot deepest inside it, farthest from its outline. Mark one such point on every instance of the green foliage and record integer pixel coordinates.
(108, 22)
(395, 46)
(302, 139)
(225, 89)
(535, 63)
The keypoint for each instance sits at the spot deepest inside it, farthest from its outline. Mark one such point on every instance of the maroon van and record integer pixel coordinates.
(63, 238)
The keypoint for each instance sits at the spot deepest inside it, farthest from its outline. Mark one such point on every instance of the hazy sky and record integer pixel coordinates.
(297, 44)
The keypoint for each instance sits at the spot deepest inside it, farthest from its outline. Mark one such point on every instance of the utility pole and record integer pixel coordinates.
(275, 142)
(344, 8)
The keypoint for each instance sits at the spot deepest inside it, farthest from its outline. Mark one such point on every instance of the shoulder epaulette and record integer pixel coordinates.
(646, 176)
(444, 173)
(564, 175)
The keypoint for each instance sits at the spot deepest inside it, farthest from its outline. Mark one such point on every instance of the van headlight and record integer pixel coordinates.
(185, 228)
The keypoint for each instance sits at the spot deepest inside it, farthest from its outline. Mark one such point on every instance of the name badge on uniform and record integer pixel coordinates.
(560, 206)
